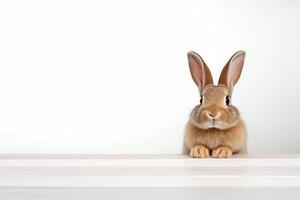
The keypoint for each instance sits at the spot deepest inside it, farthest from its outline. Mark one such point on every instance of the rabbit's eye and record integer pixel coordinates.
(227, 100)
(201, 100)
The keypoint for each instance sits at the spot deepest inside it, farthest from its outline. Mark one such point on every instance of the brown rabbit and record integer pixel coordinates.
(215, 127)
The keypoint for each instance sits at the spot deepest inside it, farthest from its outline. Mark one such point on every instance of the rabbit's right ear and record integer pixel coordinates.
(232, 70)
(199, 70)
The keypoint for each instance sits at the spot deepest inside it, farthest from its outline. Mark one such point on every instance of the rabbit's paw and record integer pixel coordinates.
(222, 152)
(199, 151)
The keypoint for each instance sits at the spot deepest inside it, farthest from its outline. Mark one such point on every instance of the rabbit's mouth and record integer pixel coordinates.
(208, 124)
(213, 123)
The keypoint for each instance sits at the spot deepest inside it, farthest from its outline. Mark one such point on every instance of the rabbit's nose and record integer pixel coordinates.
(213, 115)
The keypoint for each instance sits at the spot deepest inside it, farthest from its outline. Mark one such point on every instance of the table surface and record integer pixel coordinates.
(148, 171)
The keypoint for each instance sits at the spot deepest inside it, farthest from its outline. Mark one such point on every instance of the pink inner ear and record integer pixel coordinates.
(235, 68)
(199, 70)
(196, 68)
(199, 74)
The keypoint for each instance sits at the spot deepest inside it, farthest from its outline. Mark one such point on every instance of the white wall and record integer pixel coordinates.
(112, 77)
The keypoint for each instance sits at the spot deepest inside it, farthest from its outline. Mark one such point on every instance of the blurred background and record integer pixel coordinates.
(112, 77)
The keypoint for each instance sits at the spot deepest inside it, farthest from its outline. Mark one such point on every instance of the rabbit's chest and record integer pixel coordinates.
(211, 139)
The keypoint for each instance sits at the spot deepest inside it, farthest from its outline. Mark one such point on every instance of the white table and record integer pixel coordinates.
(148, 177)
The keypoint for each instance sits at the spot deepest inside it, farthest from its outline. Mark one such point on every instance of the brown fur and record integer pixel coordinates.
(215, 128)
(233, 138)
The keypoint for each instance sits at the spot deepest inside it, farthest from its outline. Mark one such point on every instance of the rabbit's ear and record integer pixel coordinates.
(232, 70)
(199, 70)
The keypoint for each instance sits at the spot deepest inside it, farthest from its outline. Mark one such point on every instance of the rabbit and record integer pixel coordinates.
(215, 127)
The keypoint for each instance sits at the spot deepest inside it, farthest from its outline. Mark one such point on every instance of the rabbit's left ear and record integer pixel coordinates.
(199, 70)
(232, 70)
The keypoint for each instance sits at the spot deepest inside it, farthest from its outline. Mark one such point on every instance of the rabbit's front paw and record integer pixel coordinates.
(222, 152)
(199, 151)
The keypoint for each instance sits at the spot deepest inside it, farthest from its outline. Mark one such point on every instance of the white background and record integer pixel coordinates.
(112, 77)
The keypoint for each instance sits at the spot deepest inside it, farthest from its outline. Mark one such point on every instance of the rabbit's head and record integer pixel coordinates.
(215, 109)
